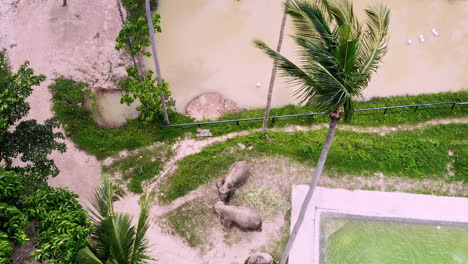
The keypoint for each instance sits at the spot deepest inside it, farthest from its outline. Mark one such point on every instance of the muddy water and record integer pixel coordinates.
(206, 45)
(110, 112)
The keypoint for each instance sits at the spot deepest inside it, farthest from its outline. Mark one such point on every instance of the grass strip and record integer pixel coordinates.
(69, 97)
(416, 154)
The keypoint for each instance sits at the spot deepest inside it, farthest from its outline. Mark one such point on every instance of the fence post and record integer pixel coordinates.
(237, 122)
(416, 109)
(453, 105)
(385, 111)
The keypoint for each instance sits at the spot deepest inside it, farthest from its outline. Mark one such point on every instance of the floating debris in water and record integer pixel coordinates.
(410, 42)
(434, 31)
(421, 38)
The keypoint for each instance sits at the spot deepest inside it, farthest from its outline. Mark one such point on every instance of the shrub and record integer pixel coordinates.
(11, 187)
(5, 248)
(12, 222)
(63, 224)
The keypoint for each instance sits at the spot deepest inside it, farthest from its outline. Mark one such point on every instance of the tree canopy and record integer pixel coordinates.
(26, 141)
(337, 54)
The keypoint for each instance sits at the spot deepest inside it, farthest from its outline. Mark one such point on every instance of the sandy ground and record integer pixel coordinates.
(76, 41)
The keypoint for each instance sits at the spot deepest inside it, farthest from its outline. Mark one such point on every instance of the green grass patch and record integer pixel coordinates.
(139, 166)
(417, 154)
(368, 118)
(69, 98)
(460, 166)
(68, 104)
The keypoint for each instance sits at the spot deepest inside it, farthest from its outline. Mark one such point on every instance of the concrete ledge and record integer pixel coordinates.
(366, 203)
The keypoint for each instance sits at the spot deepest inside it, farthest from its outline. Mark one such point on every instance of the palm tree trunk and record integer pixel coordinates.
(156, 61)
(273, 74)
(334, 118)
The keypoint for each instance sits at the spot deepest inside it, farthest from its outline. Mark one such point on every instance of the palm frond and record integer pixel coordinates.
(140, 244)
(310, 22)
(319, 86)
(374, 42)
(343, 14)
(336, 56)
(86, 256)
(103, 198)
(122, 235)
(102, 213)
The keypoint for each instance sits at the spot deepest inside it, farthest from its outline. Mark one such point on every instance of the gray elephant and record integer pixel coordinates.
(245, 218)
(235, 177)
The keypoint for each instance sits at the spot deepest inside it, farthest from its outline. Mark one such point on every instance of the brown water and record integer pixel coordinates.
(110, 112)
(206, 45)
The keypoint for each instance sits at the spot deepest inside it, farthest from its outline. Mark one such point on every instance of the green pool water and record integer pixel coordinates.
(366, 241)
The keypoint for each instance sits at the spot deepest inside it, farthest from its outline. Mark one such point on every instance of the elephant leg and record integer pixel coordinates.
(259, 228)
(227, 225)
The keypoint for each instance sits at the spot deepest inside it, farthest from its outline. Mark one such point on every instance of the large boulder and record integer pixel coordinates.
(211, 106)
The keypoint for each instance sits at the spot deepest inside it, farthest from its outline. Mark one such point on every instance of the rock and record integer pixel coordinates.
(201, 130)
(204, 134)
(211, 106)
(241, 146)
(260, 258)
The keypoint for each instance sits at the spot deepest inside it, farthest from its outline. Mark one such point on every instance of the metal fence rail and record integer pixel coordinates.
(416, 106)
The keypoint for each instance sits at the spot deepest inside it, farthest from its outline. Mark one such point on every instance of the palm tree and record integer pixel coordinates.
(114, 239)
(149, 18)
(337, 58)
(273, 73)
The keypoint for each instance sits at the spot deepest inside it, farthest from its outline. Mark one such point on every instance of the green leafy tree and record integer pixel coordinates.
(133, 37)
(136, 8)
(147, 92)
(337, 58)
(12, 220)
(114, 238)
(29, 141)
(61, 222)
(5, 248)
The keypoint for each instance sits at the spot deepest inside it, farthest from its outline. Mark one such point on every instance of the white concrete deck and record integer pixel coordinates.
(365, 203)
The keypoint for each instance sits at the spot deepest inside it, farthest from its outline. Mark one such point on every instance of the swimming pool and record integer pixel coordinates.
(363, 240)
(371, 227)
